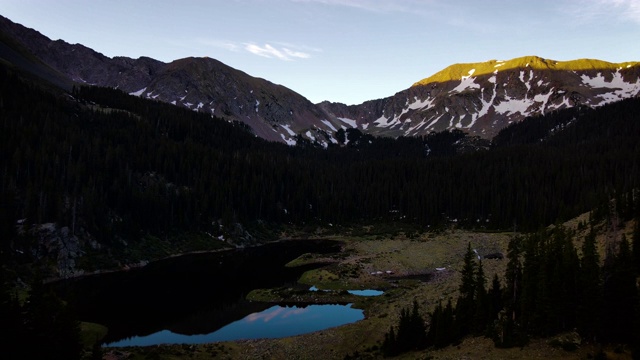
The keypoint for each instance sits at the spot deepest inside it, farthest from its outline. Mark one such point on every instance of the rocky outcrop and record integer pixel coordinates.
(56, 248)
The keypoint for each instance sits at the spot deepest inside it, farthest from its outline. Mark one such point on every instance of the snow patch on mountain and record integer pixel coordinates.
(329, 125)
(289, 141)
(288, 128)
(621, 89)
(139, 92)
(467, 82)
(349, 122)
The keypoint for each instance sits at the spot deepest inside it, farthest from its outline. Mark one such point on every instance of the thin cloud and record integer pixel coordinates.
(227, 45)
(379, 6)
(597, 10)
(296, 54)
(269, 51)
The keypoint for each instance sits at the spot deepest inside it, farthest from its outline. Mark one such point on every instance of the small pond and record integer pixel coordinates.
(367, 292)
(274, 322)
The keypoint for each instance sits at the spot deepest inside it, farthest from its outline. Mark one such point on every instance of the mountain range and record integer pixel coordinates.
(478, 98)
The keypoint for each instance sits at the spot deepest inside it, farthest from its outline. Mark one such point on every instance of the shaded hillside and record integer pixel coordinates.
(113, 167)
(272, 111)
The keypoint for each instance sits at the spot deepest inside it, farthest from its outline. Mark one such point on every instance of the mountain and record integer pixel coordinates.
(482, 98)
(273, 112)
(478, 98)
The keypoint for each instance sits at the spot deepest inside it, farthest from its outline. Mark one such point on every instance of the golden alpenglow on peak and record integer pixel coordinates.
(456, 72)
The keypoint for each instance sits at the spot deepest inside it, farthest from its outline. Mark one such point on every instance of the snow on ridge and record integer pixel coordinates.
(419, 104)
(349, 122)
(513, 106)
(486, 105)
(310, 135)
(620, 88)
(329, 125)
(289, 141)
(288, 128)
(467, 82)
(139, 92)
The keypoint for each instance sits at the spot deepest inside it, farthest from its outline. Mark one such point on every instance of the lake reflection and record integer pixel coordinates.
(368, 292)
(189, 295)
(274, 322)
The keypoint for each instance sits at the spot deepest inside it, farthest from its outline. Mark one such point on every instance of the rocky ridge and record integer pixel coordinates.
(478, 98)
(482, 98)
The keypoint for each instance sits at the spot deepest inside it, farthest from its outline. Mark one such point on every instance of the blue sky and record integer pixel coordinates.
(347, 51)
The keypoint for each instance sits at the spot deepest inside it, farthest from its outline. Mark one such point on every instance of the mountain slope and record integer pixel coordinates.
(482, 98)
(203, 84)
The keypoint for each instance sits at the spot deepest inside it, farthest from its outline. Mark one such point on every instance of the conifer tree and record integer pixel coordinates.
(482, 308)
(495, 298)
(465, 307)
(636, 244)
(590, 287)
(620, 298)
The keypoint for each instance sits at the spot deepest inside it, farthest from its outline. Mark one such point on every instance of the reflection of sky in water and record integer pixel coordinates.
(366, 292)
(355, 292)
(275, 322)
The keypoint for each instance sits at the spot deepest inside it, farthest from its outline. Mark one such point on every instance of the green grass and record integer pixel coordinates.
(91, 333)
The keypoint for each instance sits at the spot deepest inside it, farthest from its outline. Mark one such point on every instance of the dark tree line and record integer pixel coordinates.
(549, 289)
(119, 166)
(40, 327)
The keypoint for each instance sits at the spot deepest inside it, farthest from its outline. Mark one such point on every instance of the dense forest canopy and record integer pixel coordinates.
(116, 164)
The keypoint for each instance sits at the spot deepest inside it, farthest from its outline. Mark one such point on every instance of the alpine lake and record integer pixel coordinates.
(201, 298)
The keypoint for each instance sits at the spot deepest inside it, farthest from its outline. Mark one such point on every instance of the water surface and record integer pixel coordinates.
(274, 322)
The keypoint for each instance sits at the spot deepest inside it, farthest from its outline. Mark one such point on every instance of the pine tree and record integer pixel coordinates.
(482, 308)
(636, 244)
(590, 287)
(390, 344)
(620, 298)
(50, 323)
(465, 307)
(495, 298)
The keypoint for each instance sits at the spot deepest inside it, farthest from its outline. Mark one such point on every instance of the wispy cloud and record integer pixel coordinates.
(227, 45)
(597, 10)
(276, 50)
(282, 53)
(380, 6)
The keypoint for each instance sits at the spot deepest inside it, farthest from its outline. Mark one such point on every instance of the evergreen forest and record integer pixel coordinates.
(118, 165)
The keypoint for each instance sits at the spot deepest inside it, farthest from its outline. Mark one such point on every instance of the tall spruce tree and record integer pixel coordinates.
(590, 287)
(481, 316)
(466, 306)
(620, 299)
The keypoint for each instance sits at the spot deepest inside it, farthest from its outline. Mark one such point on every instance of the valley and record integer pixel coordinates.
(491, 210)
(363, 339)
